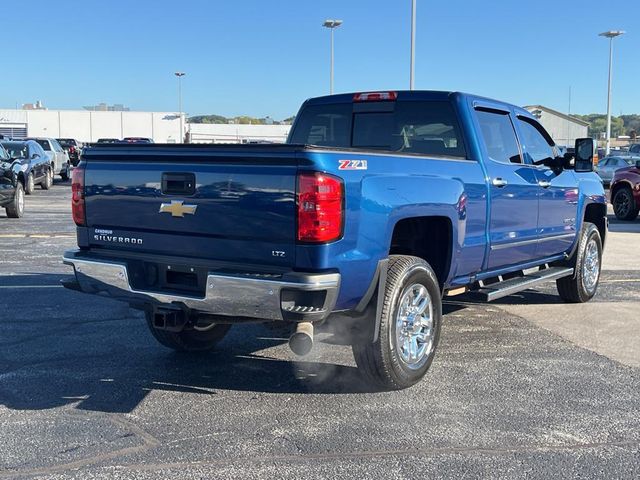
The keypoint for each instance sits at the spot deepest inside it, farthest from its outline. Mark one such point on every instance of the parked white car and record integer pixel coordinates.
(58, 157)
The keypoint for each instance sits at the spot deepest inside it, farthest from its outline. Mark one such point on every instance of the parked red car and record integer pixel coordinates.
(625, 192)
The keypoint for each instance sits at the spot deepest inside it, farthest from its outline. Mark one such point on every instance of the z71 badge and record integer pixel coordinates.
(352, 165)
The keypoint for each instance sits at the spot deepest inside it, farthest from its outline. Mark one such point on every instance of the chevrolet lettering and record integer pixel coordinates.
(379, 205)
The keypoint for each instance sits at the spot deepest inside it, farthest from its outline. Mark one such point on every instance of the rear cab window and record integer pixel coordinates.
(427, 128)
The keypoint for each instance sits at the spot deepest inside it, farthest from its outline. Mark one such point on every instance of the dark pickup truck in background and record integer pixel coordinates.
(380, 205)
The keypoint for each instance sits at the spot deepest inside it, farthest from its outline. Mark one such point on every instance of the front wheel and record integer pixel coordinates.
(16, 208)
(587, 262)
(409, 328)
(196, 339)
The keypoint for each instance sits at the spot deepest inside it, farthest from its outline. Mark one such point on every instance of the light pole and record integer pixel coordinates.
(180, 75)
(331, 25)
(611, 34)
(413, 46)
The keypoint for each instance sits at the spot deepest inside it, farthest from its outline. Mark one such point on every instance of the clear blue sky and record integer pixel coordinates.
(264, 57)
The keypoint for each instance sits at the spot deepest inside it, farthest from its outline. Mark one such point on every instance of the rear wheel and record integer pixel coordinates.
(66, 173)
(48, 180)
(409, 327)
(199, 338)
(624, 205)
(587, 261)
(16, 208)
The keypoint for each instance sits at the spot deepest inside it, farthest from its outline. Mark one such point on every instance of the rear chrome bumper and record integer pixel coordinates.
(241, 296)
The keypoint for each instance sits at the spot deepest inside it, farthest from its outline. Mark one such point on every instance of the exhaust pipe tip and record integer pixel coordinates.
(301, 341)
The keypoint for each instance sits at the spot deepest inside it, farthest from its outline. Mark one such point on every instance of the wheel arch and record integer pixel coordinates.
(596, 213)
(428, 237)
(615, 187)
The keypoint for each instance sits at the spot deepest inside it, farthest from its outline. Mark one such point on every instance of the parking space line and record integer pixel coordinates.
(620, 280)
(37, 235)
(8, 287)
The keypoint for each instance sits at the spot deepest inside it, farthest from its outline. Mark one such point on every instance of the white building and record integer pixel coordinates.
(235, 133)
(564, 129)
(162, 127)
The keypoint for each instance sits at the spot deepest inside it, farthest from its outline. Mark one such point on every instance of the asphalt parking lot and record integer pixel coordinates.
(524, 387)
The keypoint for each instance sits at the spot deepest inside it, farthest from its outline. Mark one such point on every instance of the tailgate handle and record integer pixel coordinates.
(178, 183)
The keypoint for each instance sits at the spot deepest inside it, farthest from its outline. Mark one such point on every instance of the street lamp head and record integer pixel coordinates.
(611, 33)
(329, 23)
(179, 74)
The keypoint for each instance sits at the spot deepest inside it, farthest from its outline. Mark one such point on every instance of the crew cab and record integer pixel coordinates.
(625, 192)
(379, 205)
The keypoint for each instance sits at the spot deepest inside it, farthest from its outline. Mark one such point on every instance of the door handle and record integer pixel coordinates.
(544, 184)
(499, 182)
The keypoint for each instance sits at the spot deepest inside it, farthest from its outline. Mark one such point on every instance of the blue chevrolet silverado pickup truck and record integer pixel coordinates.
(380, 205)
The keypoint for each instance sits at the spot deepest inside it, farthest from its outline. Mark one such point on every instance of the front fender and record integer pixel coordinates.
(590, 191)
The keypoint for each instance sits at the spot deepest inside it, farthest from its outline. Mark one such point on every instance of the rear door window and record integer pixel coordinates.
(499, 136)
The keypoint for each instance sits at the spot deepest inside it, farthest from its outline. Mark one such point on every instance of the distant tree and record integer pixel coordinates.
(208, 119)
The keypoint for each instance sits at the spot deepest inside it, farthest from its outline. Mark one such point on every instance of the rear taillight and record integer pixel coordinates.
(320, 207)
(77, 195)
(72, 149)
(375, 97)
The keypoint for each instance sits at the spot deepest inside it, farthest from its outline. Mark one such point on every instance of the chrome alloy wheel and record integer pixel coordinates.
(414, 326)
(591, 266)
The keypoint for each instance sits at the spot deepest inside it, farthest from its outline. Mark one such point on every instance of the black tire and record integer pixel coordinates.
(382, 361)
(48, 180)
(65, 174)
(580, 287)
(16, 208)
(189, 340)
(624, 205)
(29, 185)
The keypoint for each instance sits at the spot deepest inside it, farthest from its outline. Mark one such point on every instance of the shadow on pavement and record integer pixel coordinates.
(108, 364)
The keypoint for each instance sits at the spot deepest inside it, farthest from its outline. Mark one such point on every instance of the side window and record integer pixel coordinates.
(536, 144)
(499, 136)
(3, 153)
(44, 144)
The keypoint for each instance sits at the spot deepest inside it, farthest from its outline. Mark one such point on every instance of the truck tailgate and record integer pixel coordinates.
(205, 203)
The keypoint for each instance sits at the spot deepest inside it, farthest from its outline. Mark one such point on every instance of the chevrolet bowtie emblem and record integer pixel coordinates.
(177, 209)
